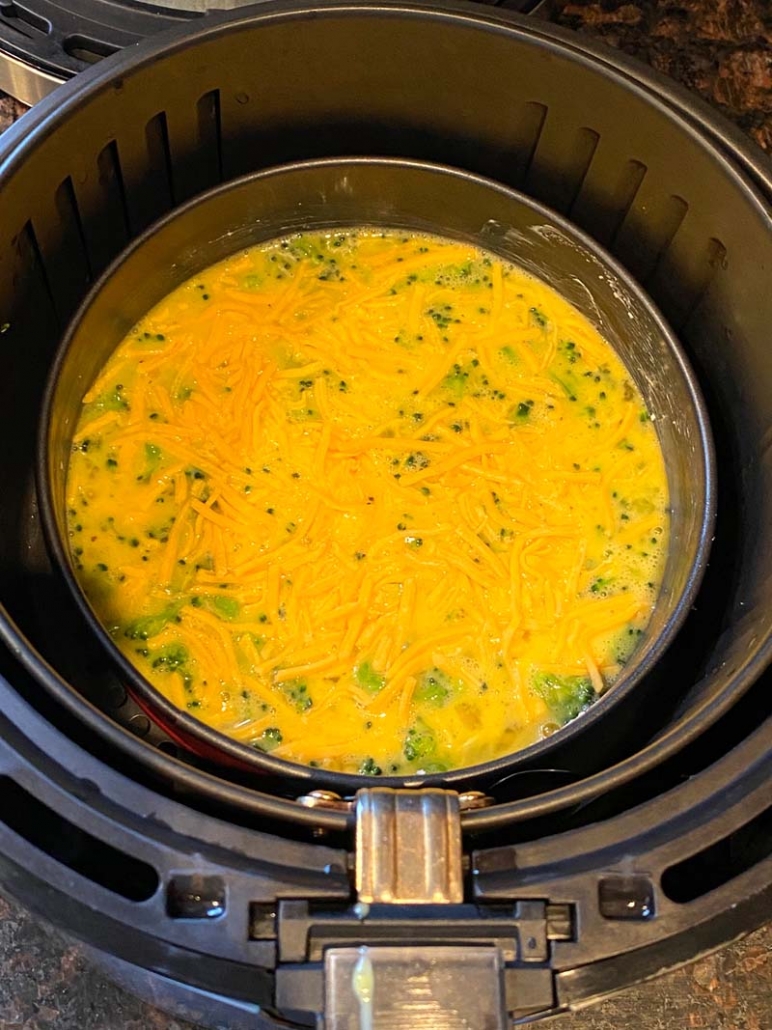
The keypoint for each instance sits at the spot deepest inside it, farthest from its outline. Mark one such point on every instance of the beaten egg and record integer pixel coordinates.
(369, 500)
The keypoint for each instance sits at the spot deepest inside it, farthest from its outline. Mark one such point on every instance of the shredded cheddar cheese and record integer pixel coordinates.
(370, 501)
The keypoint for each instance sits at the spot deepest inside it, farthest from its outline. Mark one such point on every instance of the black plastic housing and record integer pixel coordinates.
(679, 820)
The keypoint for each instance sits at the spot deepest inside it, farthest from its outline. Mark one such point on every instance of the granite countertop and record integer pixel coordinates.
(722, 50)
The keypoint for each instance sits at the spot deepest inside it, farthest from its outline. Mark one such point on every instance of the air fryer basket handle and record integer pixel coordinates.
(409, 853)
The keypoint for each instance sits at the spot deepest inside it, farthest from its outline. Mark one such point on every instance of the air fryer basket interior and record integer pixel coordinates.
(427, 198)
(481, 92)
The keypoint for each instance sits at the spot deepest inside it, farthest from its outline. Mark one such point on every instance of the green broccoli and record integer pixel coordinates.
(565, 696)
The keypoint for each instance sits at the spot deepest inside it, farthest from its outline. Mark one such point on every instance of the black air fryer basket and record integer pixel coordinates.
(240, 904)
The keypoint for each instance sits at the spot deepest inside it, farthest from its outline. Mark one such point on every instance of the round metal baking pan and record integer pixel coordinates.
(441, 201)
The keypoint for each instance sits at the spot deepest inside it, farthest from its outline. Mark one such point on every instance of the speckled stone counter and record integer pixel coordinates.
(10, 110)
(721, 49)
(47, 985)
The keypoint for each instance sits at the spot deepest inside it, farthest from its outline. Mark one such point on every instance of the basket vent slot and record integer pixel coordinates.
(68, 844)
(54, 239)
(193, 146)
(606, 196)
(630, 182)
(20, 30)
(262, 921)
(56, 234)
(11, 13)
(647, 231)
(157, 136)
(195, 896)
(721, 862)
(210, 132)
(525, 134)
(102, 204)
(585, 145)
(31, 261)
(684, 276)
(144, 164)
(560, 163)
(72, 229)
(29, 334)
(86, 49)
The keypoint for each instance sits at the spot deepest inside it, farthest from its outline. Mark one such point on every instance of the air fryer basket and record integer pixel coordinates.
(659, 848)
(429, 198)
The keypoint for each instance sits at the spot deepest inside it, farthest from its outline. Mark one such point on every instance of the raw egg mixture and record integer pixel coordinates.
(370, 501)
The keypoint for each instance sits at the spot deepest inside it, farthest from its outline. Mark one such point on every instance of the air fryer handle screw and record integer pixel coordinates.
(326, 799)
(474, 799)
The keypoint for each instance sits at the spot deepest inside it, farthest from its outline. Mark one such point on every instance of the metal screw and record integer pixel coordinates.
(326, 799)
(474, 799)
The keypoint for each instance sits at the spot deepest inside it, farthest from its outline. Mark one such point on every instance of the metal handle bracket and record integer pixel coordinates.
(408, 846)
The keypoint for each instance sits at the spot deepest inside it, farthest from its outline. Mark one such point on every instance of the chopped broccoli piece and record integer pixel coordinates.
(268, 739)
(297, 693)
(565, 696)
(520, 412)
(538, 316)
(368, 678)
(419, 743)
(149, 625)
(369, 768)
(565, 384)
(171, 657)
(226, 607)
(434, 687)
(110, 400)
(153, 458)
(303, 247)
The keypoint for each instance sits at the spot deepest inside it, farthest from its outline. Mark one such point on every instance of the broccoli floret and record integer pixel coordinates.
(565, 696)
(369, 768)
(368, 678)
(434, 687)
(419, 743)
(225, 607)
(149, 625)
(268, 739)
(171, 657)
(297, 693)
(110, 400)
